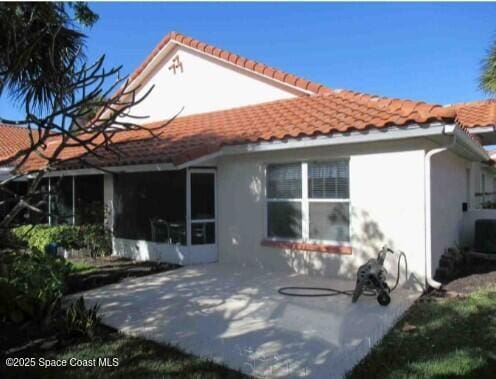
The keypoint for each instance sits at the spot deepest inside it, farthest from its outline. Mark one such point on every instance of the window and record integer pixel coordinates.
(308, 201)
(468, 186)
(284, 208)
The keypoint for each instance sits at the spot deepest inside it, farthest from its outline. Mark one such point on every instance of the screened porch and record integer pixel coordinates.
(167, 207)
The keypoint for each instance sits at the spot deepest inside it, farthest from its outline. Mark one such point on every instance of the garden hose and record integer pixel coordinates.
(325, 292)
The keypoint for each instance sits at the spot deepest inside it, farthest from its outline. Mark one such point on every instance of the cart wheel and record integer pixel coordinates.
(383, 298)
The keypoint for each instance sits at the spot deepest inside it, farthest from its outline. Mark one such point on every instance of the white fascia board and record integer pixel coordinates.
(79, 172)
(134, 168)
(482, 129)
(466, 144)
(5, 172)
(116, 169)
(370, 135)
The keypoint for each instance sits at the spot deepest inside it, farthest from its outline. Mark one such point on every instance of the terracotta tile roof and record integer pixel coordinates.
(480, 113)
(190, 137)
(12, 139)
(235, 59)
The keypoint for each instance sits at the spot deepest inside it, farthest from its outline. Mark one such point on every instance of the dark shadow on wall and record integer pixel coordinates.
(367, 239)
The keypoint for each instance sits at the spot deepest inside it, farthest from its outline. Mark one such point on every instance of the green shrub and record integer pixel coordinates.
(95, 238)
(79, 321)
(31, 286)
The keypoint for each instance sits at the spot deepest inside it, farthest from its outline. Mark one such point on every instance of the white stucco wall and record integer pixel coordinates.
(162, 252)
(449, 190)
(387, 200)
(206, 84)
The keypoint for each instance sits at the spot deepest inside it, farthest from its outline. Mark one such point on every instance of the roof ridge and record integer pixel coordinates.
(17, 126)
(381, 97)
(474, 102)
(235, 59)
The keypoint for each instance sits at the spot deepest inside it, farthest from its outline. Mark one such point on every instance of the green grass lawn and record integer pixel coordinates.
(137, 357)
(81, 266)
(445, 338)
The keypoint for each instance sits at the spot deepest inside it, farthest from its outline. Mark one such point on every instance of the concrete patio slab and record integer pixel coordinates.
(236, 316)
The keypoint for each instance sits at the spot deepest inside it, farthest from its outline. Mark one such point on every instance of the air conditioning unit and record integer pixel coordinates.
(485, 236)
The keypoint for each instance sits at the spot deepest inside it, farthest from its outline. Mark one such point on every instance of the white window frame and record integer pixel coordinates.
(189, 220)
(305, 206)
(483, 188)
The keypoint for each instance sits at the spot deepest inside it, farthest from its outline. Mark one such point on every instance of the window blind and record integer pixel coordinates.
(284, 181)
(328, 180)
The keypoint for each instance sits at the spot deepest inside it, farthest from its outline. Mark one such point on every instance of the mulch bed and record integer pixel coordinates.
(108, 270)
(476, 274)
(471, 283)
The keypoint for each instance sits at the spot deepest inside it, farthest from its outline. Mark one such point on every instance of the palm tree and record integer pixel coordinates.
(488, 77)
(39, 46)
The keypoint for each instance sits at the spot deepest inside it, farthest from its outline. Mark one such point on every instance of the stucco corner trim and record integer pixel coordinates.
(306, 246)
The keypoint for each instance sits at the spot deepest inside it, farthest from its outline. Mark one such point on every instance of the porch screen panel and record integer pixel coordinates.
(89, 199)
(202, 208)
(202, 196)
(61, 202)
(39, 200)
(151, 206)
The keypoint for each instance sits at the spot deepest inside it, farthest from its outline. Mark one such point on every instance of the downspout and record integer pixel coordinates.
(427, 194)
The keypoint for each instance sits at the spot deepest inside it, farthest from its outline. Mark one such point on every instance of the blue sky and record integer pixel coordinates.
(430, 52)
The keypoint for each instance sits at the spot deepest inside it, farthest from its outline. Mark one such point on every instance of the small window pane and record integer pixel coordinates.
(202, 196)
(284, 220)
(328, 180)
(284, 181)
(329, 221)
(202, 233)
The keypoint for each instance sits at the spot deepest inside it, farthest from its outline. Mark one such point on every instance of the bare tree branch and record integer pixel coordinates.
(68, 128)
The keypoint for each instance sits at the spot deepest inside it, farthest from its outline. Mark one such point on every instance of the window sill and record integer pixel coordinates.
(309, 246)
